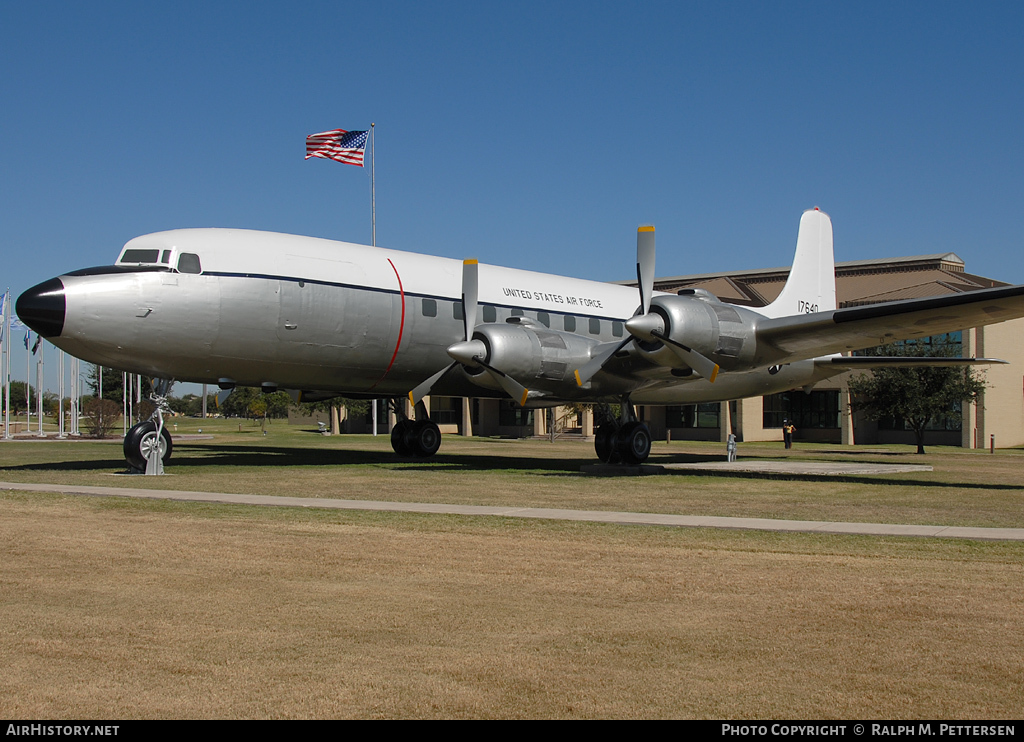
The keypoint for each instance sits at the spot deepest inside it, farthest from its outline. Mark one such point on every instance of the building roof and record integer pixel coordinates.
(858, 282)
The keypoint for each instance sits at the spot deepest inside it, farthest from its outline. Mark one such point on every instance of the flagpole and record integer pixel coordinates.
(28, 383)
(61, 433)
(39, 388)
(373, 219)
(373, 183)
(7, 364)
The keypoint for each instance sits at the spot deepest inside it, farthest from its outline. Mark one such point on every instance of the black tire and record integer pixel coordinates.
(401, 435)
(604, 443)
(633, 443)
(427, 439)
(139, 442)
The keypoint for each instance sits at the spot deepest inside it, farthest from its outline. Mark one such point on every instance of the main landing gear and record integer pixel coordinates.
(622, 441)
(420, 437)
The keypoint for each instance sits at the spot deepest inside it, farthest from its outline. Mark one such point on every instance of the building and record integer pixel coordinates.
(824, 413)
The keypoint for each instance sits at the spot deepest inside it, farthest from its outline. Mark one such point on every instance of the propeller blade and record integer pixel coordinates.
(223, 395)
(423, 389)
(512, 388)
(470, 291)
(699, 363)
(645, 265)
(585, 374)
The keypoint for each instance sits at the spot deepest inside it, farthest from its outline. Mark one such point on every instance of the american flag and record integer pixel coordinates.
(344, 146)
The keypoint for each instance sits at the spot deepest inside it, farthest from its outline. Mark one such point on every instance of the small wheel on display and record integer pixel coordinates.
(633, 443)
(427, 437)
(604, 443)
(140, 441)
(401, 436)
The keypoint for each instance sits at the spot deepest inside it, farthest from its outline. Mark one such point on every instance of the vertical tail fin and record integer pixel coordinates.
(811, 286)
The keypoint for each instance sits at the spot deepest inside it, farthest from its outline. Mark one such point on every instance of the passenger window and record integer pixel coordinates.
(457, 310)
(595, 326)
(544, 318)
(429, 308)
(617, 329)
(490, 314)
(517, 312)
(188, 262)
(569, 322)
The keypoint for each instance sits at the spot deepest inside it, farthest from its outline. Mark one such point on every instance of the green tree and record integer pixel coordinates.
(18, 397)
(113, 386)
(917, 394)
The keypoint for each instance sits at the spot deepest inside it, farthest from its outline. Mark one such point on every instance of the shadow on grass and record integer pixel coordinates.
(208, 456)
(205, 456)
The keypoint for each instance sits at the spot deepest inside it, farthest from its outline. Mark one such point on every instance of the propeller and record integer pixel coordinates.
(471, 352)
(647, 325)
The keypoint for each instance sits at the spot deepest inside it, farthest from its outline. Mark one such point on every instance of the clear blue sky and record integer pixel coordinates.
(535, 135)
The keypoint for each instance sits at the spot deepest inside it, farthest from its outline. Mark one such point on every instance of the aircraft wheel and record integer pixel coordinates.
(427, 438)
(401, 436)
(604, 443)
(633, 443)
(140, 441)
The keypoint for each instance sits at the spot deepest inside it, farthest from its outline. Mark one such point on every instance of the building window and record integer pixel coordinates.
(703, 415)
(819, 409)
(446, 410)
(510, 414)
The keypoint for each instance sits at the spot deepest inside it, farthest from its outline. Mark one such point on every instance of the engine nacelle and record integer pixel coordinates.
(536, 357)
(722, 332)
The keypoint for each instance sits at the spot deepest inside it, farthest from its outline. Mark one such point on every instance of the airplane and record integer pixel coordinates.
(321, 318)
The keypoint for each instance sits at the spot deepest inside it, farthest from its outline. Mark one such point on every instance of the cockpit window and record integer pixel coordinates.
(188, 262)
(140, 256)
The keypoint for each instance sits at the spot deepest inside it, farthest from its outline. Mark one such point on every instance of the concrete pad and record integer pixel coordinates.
(792, 466)
(593, 516)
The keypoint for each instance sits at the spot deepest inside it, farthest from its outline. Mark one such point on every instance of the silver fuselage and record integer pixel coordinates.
(310, 314)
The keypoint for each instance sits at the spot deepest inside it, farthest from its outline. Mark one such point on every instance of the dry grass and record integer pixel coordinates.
(135, 609)
(120, 608)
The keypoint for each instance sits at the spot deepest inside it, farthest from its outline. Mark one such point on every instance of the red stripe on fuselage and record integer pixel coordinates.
(401, 326)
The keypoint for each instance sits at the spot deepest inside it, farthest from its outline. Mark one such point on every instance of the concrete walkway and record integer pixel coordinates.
(595, 516)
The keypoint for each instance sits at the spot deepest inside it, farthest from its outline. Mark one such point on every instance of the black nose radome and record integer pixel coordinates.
(42, 308)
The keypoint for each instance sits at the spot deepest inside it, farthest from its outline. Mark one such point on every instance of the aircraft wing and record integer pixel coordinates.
(855, 362)
(813, 335)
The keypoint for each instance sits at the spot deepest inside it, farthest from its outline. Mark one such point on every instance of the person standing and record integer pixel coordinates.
(787, 432)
